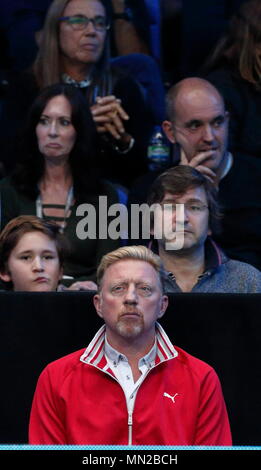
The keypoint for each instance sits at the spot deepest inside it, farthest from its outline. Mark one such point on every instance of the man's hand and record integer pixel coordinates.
(198, 163)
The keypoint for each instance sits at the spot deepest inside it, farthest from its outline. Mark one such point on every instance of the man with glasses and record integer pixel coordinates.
(199, 265)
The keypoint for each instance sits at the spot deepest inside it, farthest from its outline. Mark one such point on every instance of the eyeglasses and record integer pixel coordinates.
(81, 22)
(191, 207)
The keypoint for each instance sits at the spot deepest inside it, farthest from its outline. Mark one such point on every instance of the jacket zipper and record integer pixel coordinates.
(130, 422)
(130, 419)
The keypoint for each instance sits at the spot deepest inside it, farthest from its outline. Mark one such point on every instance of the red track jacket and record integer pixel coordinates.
(79, 401)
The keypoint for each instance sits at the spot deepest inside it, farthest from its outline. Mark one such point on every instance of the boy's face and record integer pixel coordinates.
(33, 264)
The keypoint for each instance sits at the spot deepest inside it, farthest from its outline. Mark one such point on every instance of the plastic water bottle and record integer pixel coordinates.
(158, 150)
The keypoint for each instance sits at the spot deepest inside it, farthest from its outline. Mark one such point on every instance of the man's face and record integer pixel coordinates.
(196, 218)
(130, 301)
(82, 46)
(200, 126)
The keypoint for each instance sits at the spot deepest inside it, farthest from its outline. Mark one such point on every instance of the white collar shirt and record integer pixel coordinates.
(121, 368)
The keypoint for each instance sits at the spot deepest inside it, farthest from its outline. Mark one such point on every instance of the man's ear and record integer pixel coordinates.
(97, 301)
(168, 129)
(164, 305)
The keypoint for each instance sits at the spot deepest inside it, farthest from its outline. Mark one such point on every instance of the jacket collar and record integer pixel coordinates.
(94, 353)
(214, 256)
(116, 357)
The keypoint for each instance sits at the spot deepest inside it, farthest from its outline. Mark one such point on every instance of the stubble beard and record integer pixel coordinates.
(130, 327)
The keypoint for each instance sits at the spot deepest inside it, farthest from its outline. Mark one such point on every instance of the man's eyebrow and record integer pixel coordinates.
(195, 200)
(118, 281)
(175, 201)
(193, 121)
(189, 123)
(127, 281)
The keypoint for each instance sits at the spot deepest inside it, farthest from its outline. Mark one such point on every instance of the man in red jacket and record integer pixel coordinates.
(131, 386)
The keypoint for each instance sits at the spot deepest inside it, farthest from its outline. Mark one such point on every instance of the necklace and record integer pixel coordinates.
(39, 208)
(70, 81)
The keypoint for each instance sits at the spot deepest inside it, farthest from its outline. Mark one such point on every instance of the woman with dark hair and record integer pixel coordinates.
(56, 174)
(31, 165)
(74, 49)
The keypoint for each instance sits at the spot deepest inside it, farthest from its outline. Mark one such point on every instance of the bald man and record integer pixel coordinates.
(198, 126)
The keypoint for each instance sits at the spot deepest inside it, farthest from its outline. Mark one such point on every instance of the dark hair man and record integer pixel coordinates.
(200, 265)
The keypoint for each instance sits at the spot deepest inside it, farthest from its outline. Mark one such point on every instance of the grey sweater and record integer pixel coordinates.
(222, 275)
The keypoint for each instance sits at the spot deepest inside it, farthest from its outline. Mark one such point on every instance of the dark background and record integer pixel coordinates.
(223, 330)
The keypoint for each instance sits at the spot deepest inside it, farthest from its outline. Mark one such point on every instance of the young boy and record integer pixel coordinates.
(32, 253)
